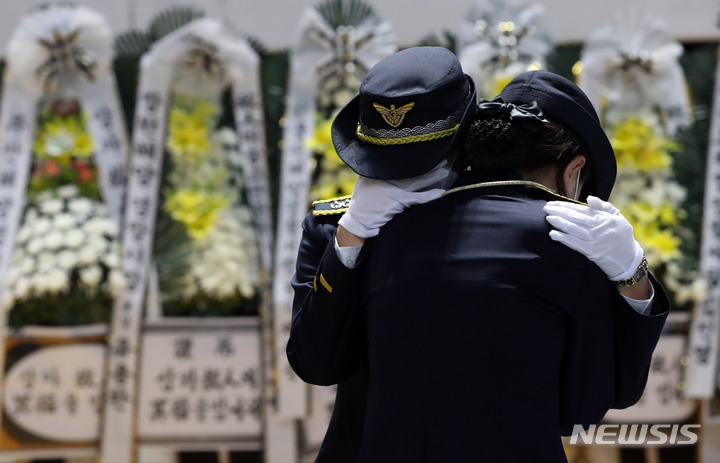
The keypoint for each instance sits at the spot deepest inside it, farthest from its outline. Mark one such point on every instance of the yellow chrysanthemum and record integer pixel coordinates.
(499, 82)
(197, 210)
(639, 145)
(662, 242)
(339, 182)
(321, 142)
(62, 137)
(204, 111)
(651, 228)
(83, 144)
(640, 212)
(668, 215)
(188, 133)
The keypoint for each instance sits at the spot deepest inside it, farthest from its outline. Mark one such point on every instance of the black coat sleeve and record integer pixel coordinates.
(608, 352)
(327, 335)
(636, 338)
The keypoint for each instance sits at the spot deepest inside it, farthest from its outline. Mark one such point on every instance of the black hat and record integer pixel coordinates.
(412, 108)
(564, 102)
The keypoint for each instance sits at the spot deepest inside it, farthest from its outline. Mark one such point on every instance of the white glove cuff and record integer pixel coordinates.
(633, 266)
(355, 227)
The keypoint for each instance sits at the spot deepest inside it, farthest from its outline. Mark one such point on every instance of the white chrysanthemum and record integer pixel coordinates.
(26, 265)
(88, 255)
(101, 210)
(52, 206)
(93, 226)
(31, 215)
(34, 246)
(23, 235)
(55, 281)
(43, 196)
(56, 243)
(67, 259)
(41, 226)
(74, 238)
(226, 136)
(99, 245)
(675, 192)
(91, 276)
(102, 226)
(21, 288)
(68, 191)
(64, 221)
(112, 260)
(46, 260)
(13, 274)
(80, 207)
(53, 240)
(117, 281)
(227, 261)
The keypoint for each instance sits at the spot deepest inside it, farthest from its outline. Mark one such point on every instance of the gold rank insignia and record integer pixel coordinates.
(331, 206)
(393, 116)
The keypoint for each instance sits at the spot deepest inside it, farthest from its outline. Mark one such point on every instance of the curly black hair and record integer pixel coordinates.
(496, 145)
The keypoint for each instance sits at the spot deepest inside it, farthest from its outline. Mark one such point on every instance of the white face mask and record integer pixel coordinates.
(577, 185)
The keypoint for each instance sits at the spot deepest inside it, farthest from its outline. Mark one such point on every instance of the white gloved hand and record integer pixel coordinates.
(375, 202)
(599, 232)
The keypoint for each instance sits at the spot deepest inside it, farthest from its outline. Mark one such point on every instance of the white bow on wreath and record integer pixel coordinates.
(500, 39)
(632, 66)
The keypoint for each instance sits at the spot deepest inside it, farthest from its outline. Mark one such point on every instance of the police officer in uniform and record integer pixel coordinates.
(454, 100)
(484, 338)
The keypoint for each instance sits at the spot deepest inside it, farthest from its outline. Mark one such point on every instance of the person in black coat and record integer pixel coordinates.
(485, 337)
(453, 101)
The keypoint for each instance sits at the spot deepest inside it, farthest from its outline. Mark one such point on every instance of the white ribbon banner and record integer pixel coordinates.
(705, 328)
(157, 67)
(317, 43)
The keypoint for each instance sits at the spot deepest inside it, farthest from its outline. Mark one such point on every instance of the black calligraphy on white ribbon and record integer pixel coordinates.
(156, 69)
(17, 128)
(705, 328)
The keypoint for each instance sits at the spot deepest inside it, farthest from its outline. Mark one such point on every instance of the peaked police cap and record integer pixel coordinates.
(412, 109)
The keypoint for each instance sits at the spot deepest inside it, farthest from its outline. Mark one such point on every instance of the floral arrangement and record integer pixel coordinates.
(65, 265)
(500, 39)
(651, 198)
(351, 34)
(63, 150)
(206, 247)
(332, 176)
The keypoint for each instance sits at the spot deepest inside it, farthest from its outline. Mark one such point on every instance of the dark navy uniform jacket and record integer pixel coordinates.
(485, 339)
(344, 436)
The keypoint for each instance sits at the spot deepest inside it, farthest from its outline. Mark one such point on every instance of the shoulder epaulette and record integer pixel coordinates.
(331, 206)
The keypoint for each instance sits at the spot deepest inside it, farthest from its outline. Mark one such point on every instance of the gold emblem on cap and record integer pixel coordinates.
(393, 116)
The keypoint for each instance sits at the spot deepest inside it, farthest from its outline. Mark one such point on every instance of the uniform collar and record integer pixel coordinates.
(494, 184)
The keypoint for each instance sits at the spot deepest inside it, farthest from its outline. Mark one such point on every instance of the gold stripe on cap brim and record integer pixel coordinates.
(405, 140)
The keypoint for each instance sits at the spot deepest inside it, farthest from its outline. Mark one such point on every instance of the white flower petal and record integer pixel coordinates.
(74, 238)
(68, 191)
(52, 206)
(91, 276)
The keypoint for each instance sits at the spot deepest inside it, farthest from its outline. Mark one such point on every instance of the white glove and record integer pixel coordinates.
(375, 202)
(599, 232)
